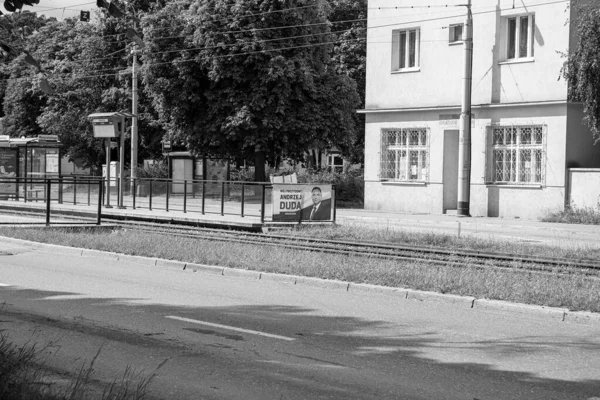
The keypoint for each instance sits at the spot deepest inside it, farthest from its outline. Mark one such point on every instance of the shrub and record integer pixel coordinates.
(575, 215)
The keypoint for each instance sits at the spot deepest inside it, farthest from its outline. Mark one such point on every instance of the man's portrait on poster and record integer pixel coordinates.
(320, 209)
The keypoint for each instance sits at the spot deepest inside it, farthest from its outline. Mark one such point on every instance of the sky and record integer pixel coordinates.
(60, 9)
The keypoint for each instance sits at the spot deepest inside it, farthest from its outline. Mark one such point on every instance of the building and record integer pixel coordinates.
(525, 134)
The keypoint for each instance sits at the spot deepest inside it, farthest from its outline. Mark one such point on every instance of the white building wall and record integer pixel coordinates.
(438, 80)
(497, 200)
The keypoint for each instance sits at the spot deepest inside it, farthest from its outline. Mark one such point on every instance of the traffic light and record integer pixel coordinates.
(84, 16)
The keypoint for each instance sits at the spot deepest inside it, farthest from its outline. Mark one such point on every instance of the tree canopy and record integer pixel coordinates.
(582, 69)
(252, 77)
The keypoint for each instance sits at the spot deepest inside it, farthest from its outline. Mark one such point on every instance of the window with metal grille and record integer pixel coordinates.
(517, 154)
(405, 155)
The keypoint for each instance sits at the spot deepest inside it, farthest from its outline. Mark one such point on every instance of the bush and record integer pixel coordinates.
(349, 186)
(575, 215)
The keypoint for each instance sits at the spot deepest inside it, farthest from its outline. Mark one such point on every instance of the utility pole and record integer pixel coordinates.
(464, 145)
(134, 121)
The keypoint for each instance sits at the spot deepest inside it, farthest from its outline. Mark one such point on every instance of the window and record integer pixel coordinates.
(405, 155)
(517, 154)
(520, 38)
(405, 49)
(335, 162)
(456, 32)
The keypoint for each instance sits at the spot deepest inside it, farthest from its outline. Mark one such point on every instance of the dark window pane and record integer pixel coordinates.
(512, 37)
(403, 50)
(524, 29)
(412, 53)
(532, 34)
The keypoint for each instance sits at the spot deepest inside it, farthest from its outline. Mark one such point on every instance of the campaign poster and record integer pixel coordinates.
(216, 170)
(8, 169)
(292, 202)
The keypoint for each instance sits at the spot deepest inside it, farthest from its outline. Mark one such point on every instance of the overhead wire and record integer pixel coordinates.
(293, 47)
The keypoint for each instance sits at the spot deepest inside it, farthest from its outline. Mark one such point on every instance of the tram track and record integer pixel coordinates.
(398, 252)
(405, 253)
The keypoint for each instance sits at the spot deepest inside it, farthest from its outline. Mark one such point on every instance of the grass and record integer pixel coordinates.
(575, 215)
(23, 376)
(573, 291)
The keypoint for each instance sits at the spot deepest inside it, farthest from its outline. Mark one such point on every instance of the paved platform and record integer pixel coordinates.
(514, 230)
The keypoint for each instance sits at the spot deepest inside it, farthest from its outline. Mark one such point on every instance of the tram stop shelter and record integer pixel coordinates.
(33, 159)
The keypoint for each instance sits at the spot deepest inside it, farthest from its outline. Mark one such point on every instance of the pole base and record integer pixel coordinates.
(463, 209)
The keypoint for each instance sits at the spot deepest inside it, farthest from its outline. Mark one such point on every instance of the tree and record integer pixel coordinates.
(256, 78)
(582, 69)
(349, 21)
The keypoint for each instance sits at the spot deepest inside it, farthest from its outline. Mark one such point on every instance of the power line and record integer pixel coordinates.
(308, 45)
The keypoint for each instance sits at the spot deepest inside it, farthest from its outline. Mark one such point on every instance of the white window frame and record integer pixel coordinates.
(516, 154)
(331, 158)
(516, 41)
(397, 58)
(404, 155)
(452, 39)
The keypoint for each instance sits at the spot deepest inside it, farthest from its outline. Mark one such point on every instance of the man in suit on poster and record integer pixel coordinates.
(319, 210)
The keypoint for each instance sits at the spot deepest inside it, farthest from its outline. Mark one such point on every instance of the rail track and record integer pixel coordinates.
(404, 253)
(401, 253)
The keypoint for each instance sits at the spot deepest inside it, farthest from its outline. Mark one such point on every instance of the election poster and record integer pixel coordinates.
(8, 169)
(292, 202)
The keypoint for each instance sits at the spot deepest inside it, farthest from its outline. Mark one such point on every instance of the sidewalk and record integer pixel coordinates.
(483, 227)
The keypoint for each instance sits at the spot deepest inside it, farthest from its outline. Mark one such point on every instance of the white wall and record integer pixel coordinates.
(584, 187)
(439, 79)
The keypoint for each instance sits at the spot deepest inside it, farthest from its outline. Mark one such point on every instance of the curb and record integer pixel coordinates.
(466, 302)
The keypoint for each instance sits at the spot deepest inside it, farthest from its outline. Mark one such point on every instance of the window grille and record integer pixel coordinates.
(405, 155)
(518, 154)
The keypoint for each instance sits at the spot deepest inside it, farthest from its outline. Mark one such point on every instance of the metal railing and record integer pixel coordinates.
(202, 196)
(238, 198)
(59, 190)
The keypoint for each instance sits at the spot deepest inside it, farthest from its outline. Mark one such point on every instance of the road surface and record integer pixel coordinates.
(227, 337)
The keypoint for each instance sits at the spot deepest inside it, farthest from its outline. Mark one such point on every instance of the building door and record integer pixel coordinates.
(183, 169)
(450, 177)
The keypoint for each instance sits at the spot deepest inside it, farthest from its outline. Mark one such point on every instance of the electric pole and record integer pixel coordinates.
(464, 145)
(134, 121)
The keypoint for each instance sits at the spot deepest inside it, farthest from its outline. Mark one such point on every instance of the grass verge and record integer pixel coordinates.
(574, 291)
(575, 215)
(23, 376)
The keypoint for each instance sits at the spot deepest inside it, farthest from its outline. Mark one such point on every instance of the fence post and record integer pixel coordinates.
(60, 190)
(150, 197)
(222, 198)
(89, 185)
(184, 195)
(167, 202)
(74, 190)
(262, 204)
(48, 187)
(334, 201)
(243, 195)
(100, 199)
(203, 195)
(134, 191)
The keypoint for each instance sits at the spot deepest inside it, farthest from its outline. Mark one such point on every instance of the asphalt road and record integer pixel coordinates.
(236, 338)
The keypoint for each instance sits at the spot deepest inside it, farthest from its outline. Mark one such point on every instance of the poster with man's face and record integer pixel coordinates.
(292, 202)
(8, 169)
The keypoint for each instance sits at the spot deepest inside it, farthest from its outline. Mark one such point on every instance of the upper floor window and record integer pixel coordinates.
(520, 38)
(404, 155)
(517, 154)
(456, 32)
(405, 49)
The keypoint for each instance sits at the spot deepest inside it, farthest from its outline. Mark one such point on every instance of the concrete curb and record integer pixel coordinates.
(468, 302)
